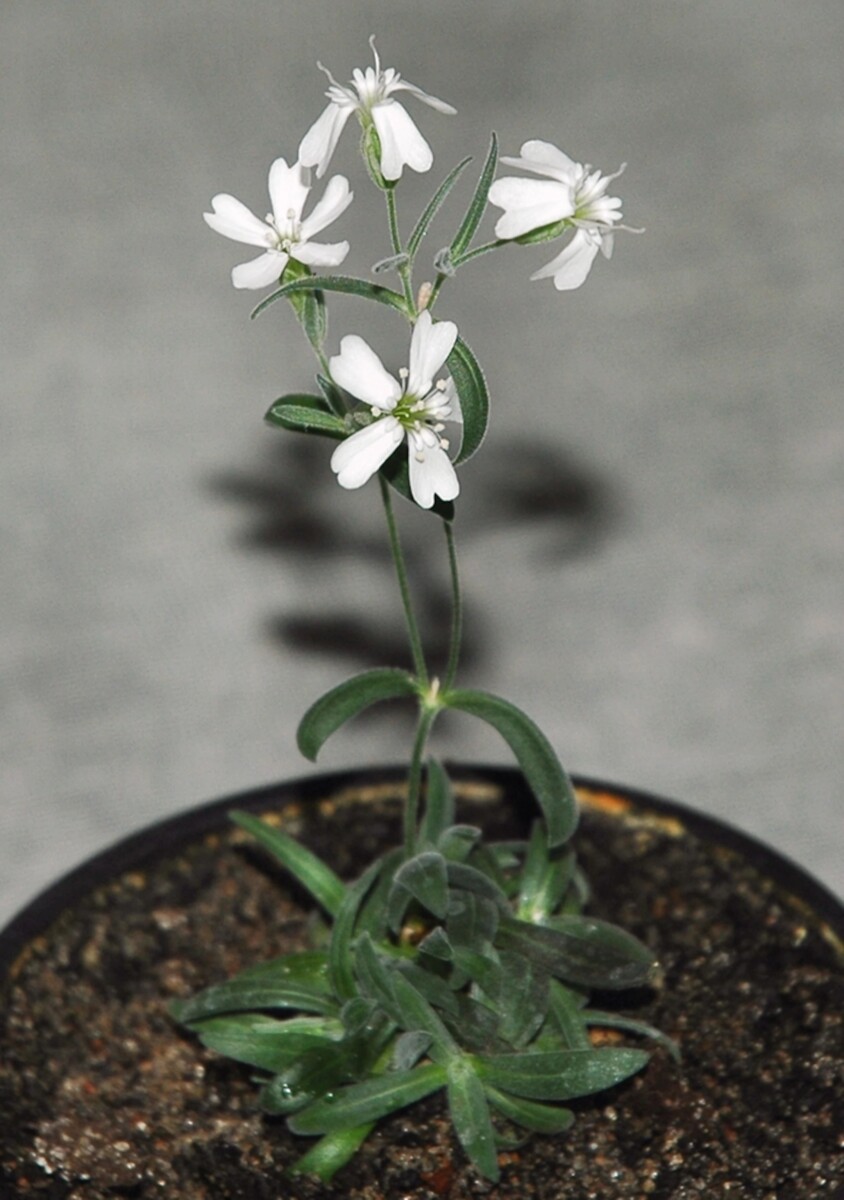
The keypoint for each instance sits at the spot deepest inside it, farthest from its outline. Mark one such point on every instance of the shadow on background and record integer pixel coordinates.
(295, 510)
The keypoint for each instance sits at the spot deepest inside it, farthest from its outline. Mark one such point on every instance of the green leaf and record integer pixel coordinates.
(332, 1152)
(302, 863)
(535, 755)
(360, 1103)
(416, 1013)
(265, 1042)
(468, 879)
(309, 306)
(439, 805)
(522, 1002)
(376, 980)
(538, 1118)
(432, 207)
(458, 842)
(472, 392)
(373, 916)
(580, 950)
(432, 987)
(470, 1115)
(422, 878)
(618, 958)
(463, 238)
(545, 878)
(409, 1048)
(291, 981)
(333, 396)
(560, 1074)
(631, 1025)
(344, 284)
(347, 700)
(566, 1009)
(306, 414)
(340, 965)
(472, 920)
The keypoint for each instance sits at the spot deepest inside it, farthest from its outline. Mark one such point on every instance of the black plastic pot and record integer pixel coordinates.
(674, 1132)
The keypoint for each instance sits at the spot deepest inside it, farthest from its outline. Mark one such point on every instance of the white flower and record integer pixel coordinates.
(372, 98)
(283, 234)
(415, 408)
(572, 194)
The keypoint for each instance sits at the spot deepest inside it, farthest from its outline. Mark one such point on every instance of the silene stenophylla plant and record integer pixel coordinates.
(450, 964)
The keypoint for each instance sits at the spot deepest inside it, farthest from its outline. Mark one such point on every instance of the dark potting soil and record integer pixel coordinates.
(102, 1096)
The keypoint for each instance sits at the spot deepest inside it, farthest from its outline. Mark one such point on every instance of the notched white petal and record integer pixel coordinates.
(318, 144)
(335, 200)
(432, 475)
(234, 220)
(359, 370)
(401, 142)
(260, 272)
(288, 191)
(571, 267)
(430, 346)
(356, 460)
(320, 254)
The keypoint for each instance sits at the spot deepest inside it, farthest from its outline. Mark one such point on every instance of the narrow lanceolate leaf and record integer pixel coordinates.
(376, 980)
(302, 863)
(535, 755)
(469, 1111)
(291, 981)
(345, 284)
(347, 700)
(463, 238)
(340, 963)
(439, 805)
(424, 878)
(586, 952)
(559, 1074)
(472, 391)
(334, 398)
(265, 1042)
(306, 414)
(432, 207)
(360, 1103)
(331, 1153)
(538, 1118)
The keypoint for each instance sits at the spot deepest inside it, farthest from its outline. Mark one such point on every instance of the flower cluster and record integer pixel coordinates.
(570, 198)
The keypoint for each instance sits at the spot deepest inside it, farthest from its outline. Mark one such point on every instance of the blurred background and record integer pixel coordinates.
(652, 537)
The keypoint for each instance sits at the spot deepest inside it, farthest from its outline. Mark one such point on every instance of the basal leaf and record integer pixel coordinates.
(340, 964)
(559, 1075)
(292, 981)
(469, 1111)
(347, 700)
(302, 863)
(265, 1042)
(439, 805)
(332, 1152)
(360, 1103)
(538, 1118)
(535, 755)
(586, 952)
(423, 877)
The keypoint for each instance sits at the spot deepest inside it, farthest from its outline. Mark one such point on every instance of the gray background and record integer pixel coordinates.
(652, 538)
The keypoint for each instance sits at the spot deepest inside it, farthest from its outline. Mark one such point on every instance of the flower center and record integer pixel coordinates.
(286, 234)
(422, 417)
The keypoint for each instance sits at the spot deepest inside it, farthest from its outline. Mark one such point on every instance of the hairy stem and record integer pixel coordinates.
(404, 586)
(427, 713)
(456, 610)
(395, 240)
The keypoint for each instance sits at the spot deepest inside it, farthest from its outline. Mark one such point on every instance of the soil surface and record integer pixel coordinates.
(102, 1096)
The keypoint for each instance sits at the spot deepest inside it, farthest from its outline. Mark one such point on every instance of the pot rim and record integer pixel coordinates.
(136, 849)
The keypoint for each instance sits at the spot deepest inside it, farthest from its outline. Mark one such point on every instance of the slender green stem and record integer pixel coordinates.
(456, 610)
(479, 250)
(427, 713)
(404, 586)
(395, 239)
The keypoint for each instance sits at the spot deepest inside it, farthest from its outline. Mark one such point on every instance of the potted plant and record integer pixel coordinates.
(438, 1000)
